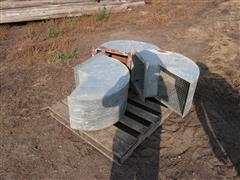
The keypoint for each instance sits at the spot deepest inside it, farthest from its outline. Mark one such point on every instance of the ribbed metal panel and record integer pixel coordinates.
(173, 91)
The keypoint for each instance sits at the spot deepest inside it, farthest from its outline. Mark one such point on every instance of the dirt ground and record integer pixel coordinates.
(203, 145)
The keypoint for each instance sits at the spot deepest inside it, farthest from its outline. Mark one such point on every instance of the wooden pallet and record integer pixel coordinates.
(120, 140)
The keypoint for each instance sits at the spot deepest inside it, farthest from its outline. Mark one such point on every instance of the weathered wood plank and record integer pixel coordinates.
(64, 101)
(113, 138)
(142, 113)
(133, 124)
(36, 3)
(61, 10)
(46, 4)
(147, 103)
(61, 110)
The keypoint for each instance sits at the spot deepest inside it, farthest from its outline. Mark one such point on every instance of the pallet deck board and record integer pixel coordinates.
(147, 103)
(117, 142)
(134, 125)
(142, 113)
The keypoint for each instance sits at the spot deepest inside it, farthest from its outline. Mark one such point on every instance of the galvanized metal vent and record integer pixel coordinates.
(172, 91)
(168, 76)
(138, 75)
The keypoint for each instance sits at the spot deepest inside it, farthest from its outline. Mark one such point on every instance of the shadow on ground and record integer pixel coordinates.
(218, 110)
(144, 162)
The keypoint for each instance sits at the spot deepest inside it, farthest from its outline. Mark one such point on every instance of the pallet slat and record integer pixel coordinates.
(147, 103)
(142, 113)
(105, 137)
(61, 110)
(134, 124)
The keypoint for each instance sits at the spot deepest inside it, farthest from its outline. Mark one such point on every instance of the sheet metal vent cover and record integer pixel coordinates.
(173, 91)
(168, 76)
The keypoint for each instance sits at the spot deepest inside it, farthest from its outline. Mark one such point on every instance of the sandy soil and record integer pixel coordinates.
(204, 145)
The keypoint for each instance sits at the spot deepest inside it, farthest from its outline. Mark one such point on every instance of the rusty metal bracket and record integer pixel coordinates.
(125, 58)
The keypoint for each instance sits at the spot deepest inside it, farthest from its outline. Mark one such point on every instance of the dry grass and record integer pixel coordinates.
(41, 41)
(4, 31)
(64, 56)
(102, 15)
(53, 32)
(29, 52)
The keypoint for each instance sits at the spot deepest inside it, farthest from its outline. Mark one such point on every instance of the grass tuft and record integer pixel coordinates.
(30, 33)
(102, 15)
(62, 56)
(53, 32)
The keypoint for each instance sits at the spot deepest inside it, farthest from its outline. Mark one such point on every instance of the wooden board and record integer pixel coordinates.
(18, 11)
(120, 140)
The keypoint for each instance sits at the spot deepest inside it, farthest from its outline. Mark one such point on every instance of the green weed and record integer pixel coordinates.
(53, 32)
(102, 15)
(62, 56)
